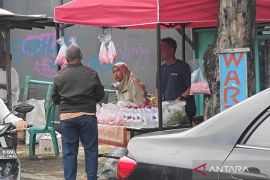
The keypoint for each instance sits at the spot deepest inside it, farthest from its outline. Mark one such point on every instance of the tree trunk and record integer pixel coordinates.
(236, 29)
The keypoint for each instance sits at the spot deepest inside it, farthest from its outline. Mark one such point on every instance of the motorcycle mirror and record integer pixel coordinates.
(24, 107)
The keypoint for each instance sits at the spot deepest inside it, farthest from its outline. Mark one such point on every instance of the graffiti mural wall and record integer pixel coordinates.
(38, 52)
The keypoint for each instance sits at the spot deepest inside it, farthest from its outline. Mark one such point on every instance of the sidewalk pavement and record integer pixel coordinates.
(46, 166)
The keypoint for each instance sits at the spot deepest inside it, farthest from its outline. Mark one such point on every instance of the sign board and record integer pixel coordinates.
(233, 77)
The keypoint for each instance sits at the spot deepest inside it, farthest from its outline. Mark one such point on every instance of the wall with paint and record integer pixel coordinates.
(34, 51)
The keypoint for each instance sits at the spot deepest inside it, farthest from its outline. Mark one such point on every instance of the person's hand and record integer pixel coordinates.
(21, 125)
(153, 100)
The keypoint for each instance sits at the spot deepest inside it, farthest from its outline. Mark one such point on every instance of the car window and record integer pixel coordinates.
(261, 136)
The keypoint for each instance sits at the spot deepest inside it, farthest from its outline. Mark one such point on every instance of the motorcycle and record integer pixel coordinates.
(10, 167)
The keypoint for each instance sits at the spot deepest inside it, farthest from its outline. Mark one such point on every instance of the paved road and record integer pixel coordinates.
(46, 166)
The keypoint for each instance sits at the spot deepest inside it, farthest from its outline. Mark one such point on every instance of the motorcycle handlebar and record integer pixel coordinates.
(13, 131)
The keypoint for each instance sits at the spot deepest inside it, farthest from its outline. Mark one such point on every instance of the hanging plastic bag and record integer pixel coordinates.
(73, 41)
(199, 84)
(111, 52)
(36, 117)
(61, 56)
(107, 52)
(103, 58)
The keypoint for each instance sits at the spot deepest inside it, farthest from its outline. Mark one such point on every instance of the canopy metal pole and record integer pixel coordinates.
(159, 79)
(183, 42)
(58, 29)
(8, 67)
(57, 45)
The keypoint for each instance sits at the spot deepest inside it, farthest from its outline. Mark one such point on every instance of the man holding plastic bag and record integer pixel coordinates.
(176, 77)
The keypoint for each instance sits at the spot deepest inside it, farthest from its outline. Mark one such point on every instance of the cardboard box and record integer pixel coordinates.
(46, 145)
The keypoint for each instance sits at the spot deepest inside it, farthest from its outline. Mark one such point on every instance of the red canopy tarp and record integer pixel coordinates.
(146, 13)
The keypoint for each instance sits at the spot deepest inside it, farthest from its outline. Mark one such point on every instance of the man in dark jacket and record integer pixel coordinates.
(77, 89)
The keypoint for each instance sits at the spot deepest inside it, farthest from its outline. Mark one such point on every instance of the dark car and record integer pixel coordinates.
(234, 144)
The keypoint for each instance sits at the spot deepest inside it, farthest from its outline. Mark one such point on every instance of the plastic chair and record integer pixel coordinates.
(29, 81)
(49, 128)
(49, 116)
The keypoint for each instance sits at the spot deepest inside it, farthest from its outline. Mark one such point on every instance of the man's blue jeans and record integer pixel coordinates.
(82, 128)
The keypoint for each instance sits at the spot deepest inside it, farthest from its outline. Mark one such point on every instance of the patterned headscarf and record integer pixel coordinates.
(130, 88)
(127, 75)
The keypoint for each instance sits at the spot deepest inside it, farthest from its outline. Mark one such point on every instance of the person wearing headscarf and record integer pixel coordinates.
(129, 88)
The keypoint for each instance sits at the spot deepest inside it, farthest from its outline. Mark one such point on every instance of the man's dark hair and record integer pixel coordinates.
(73, 53)
(3, 54)
(171, 42)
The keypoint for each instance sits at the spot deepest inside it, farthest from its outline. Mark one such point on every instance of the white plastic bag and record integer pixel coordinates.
(107, 52)
(173, 112)
(61, 56)
(199, 84)
(73, 41)
(46, 144)
(111, 52)
(36, 117)
(110, 114)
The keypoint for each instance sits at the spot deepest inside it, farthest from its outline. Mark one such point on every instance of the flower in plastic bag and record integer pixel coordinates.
(199, 84)
(173, 112)
(107, 51)
(61, 56)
